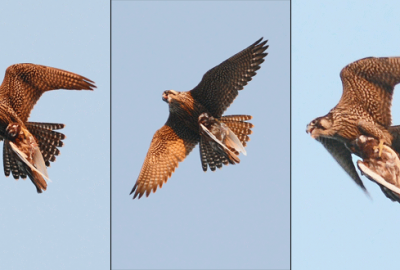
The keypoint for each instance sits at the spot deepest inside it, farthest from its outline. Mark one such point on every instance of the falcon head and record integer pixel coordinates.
(168, 95)
(12, 131)
(320, 126)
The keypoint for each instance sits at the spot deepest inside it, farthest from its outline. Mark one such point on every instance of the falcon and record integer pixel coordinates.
(29, 147)
(180, 134)
(364, 109)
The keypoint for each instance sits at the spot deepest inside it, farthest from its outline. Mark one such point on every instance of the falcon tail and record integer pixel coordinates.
(48, 139)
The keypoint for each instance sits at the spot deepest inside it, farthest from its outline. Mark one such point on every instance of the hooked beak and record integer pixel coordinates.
(165, 97)
(309, 130)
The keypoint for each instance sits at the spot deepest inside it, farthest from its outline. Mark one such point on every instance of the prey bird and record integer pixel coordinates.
(30, 146)
(382, 168)
(180, 134)
(222, 139)
(364, 109)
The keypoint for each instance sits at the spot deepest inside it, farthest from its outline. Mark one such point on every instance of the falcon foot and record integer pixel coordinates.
(379, 147)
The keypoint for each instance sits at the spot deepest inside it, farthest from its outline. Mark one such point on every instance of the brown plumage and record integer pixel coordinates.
(364, 109)
(28, 146)
(180, 134)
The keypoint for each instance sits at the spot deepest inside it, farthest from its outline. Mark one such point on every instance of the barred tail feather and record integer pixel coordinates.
(48, 139)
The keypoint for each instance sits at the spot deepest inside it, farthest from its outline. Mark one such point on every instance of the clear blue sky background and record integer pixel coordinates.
(236, 217)
(67, 226)
(334, 224)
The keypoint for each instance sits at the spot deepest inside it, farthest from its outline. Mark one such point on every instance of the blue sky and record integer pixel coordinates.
(236, 217)
(334, 224)
(67, 226)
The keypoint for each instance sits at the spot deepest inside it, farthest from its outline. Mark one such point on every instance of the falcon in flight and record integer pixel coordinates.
(180, 134)
(30, 146)
(364, 109)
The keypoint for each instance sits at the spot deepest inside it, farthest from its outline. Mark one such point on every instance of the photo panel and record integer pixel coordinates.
(237, 217)
(335, 223)
(67, 225)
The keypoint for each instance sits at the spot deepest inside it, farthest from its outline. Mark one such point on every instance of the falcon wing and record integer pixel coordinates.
(23, 85)
(343, 156)
(370, 82)
(220, 85)
(170, 145)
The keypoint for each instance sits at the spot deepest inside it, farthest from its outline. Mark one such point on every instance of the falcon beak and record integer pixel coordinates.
(310, 129)
(165, 97)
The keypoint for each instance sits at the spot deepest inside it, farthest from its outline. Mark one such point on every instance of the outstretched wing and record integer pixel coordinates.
(370, 82)
(220, 85)
(343, 156)
(23, 85)
(170, 145)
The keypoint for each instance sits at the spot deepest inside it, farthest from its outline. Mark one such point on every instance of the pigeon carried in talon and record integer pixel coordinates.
(24, 145)
(218, 143)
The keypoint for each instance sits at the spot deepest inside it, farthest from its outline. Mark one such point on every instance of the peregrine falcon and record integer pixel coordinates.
(364, 109)
(30, 146)
(180, 134)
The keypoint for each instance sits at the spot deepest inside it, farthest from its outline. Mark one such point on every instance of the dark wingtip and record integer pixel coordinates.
(258, 43)
(136, 193)
(90, 84)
